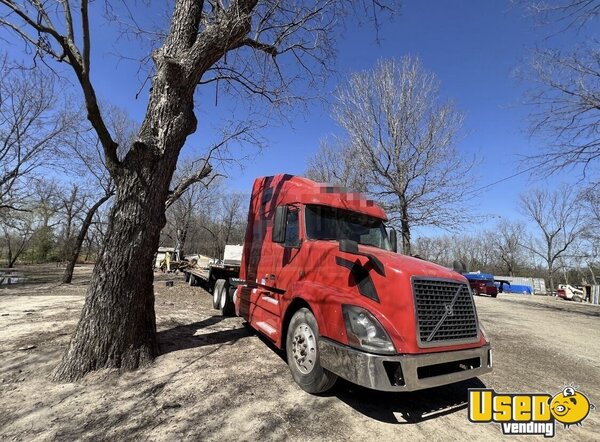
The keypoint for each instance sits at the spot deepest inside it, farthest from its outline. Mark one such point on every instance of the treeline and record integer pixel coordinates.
(46, 226)
(556, 238)
(204, 219)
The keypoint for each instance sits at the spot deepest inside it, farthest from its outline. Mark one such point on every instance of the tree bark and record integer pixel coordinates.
(405, 230)
(551, 277)
(10, 260)
(76, 249)
(117, 328)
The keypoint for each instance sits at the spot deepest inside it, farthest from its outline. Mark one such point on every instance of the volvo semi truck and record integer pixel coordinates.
(320, 277)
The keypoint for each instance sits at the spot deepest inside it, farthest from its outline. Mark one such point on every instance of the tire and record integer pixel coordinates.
(192, 280)
(493, 296)
(475, 292)
(226, 302)
(187, 277)
(217, 293)
(302, 349)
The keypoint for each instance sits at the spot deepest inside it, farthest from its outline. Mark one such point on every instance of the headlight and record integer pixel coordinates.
(365, 332)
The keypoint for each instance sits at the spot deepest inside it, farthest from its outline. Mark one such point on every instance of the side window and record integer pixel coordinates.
(292, 236)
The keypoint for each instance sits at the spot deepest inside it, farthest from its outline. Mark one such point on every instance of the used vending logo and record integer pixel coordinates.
(534, 414)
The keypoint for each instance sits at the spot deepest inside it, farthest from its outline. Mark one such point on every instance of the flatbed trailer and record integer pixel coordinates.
(221, 279)
(207, 277)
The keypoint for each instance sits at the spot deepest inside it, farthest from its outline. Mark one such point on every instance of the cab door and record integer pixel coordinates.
(286, 256)
(266, 296)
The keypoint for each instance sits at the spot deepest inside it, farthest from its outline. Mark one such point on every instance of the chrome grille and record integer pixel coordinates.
(440, 317)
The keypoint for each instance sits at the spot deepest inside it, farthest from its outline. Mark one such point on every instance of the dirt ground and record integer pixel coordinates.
(217, 380)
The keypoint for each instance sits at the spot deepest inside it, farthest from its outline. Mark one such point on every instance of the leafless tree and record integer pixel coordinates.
(590, 238)
(201, 196)
(72, 204)
(86, 158)
(31, 227)
(566, 13)
(405, 140)
(232, 221)
(566, 95)
(17, 233)
(559, 219)
(435, 249)
(32, 126)
(336, 164)
(505, 240)
(117, 327)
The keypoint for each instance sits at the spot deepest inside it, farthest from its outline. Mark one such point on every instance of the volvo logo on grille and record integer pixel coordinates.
(448, 311)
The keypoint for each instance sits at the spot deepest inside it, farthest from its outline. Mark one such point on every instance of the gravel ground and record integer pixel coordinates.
(218, 380)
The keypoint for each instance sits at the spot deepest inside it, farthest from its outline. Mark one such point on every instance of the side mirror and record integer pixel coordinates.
(278, 232)
(394, 240)
(348, 246)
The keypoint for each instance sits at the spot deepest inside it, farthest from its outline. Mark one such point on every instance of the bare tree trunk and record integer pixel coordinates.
(405, 231)
(551, 277)
(76, 249)
(10, 260)
(117, 328)
(122, 279)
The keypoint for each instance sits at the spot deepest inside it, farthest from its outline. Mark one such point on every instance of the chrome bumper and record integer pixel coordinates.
(404, 372)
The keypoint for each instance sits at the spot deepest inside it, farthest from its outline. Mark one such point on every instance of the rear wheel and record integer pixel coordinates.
(192, 280)
(217, 293)
(226, 301)
(302, 348)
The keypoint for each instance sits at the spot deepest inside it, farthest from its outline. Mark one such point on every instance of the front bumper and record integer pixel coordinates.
(404, 372)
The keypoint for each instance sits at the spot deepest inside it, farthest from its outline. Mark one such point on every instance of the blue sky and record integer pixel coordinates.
(473, 46)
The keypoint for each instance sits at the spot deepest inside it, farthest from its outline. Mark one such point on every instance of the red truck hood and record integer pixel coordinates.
(395, 309)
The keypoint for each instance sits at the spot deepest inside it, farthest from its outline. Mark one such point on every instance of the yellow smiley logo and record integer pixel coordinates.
(570, 407)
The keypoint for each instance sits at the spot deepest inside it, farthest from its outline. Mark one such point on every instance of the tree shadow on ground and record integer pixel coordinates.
(182, 337)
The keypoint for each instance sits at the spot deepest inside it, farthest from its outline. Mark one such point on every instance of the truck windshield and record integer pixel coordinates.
(329, 223)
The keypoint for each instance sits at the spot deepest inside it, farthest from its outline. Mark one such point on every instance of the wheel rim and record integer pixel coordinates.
(223, 298)
(304, 348)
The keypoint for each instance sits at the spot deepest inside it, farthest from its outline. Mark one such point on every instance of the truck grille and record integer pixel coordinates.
(440, 317)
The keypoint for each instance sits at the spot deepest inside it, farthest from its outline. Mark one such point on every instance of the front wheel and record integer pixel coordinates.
(302, 348)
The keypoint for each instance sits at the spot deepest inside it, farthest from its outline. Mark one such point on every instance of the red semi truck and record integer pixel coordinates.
(321, 279)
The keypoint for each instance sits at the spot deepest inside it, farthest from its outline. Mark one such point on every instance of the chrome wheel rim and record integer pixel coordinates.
(304, 348)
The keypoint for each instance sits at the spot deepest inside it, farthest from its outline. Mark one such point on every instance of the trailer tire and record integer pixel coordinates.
(217, 292)
(187, 276)
(302, 349)
(227, 308)
(192, 280)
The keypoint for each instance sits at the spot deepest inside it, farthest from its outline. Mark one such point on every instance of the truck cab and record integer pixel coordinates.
(321, 279)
